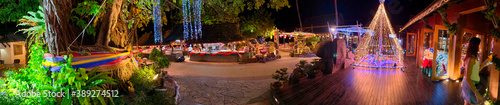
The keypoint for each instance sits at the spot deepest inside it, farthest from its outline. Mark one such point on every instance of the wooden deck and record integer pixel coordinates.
(368, 87)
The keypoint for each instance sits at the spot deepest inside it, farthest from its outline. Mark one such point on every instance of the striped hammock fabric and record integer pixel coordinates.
(91, 60)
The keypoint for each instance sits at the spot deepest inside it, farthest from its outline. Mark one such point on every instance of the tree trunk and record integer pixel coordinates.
(60, 33)
(113, 18)
(103, 27)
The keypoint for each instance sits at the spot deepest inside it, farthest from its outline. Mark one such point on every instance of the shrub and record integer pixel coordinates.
(281, 75)
(155, 54)
(143, 79)
(144, 84)
(159, 60)
(140, 55)
(162, 98)
(36, 78)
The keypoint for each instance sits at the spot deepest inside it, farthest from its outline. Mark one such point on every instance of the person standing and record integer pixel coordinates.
(470, 94)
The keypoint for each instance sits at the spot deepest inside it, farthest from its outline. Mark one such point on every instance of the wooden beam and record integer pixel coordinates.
(477, 9)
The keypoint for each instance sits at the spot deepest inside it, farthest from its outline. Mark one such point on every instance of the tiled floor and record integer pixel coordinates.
(353, 86)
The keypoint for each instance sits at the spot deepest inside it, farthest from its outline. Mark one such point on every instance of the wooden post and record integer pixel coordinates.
(457, 58)
(277, 41)
(494, 74)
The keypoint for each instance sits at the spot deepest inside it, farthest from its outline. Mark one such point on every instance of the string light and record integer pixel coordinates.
(157, 22)
(374, 49)
(191, 18)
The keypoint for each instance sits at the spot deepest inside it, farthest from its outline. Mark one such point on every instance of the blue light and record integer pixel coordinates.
(157, 22)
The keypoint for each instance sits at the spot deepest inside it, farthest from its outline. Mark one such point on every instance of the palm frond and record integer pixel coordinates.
(37, 22)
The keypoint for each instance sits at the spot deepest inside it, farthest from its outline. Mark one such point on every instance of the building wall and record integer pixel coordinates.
(7, 53)
(21, 57)
(468, 14)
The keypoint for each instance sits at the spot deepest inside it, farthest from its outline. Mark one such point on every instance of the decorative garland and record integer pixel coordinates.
(426, 24)
(490, 15)
(452, 28)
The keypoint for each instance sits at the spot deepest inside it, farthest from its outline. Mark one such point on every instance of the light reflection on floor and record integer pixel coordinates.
(377, 83)
(375, 86)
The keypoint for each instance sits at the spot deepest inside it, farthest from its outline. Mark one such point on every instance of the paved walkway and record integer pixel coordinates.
(227, 83)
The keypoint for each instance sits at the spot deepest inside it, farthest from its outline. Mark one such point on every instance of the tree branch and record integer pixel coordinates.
(169, 2)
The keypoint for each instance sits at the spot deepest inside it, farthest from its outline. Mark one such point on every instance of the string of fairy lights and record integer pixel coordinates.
(191, 18)
(157, 22)
(380, 48)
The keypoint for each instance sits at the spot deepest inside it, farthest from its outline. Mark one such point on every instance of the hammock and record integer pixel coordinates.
(102, 60)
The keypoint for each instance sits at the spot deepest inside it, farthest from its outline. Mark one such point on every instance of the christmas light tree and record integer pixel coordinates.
(379, 47)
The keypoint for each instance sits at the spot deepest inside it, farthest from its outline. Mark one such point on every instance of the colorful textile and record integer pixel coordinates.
(95, 59)
(427, 63)
(467, 94)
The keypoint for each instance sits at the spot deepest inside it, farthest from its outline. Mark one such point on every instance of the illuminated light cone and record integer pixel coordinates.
(380, 38)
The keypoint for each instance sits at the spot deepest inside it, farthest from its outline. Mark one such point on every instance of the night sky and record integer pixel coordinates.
(399, 11)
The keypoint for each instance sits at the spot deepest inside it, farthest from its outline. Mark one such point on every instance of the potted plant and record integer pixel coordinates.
(281, 76)
(300, 71)
(314, 69)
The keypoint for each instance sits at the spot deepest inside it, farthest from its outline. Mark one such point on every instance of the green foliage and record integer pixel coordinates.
(496, 61)
(159, 60)
(137, 12)
(452, 28)
(69, 79)
(490, 102)
(143, 79)
(259, 23)
(36, 78)
(280, 75)
(37, 22)
(33, 77)
(144, 85)
(155, 54)
(140, 12)
(490, 14)
(5, 99)
(84, 12)
(300, 46)
(304, 66)
(141, 55)
(162, 98)
(227, 11)
(13, 10)
(312, 41)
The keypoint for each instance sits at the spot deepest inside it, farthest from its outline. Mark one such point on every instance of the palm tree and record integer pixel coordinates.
(300, 20)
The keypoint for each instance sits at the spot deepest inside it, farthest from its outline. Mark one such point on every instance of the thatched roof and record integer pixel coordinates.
(149, 39)
(175, 34)
(219, 33)
(12, 37)
(211, 34)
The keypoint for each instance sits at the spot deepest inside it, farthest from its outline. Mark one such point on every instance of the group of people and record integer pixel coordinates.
(471, 80)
